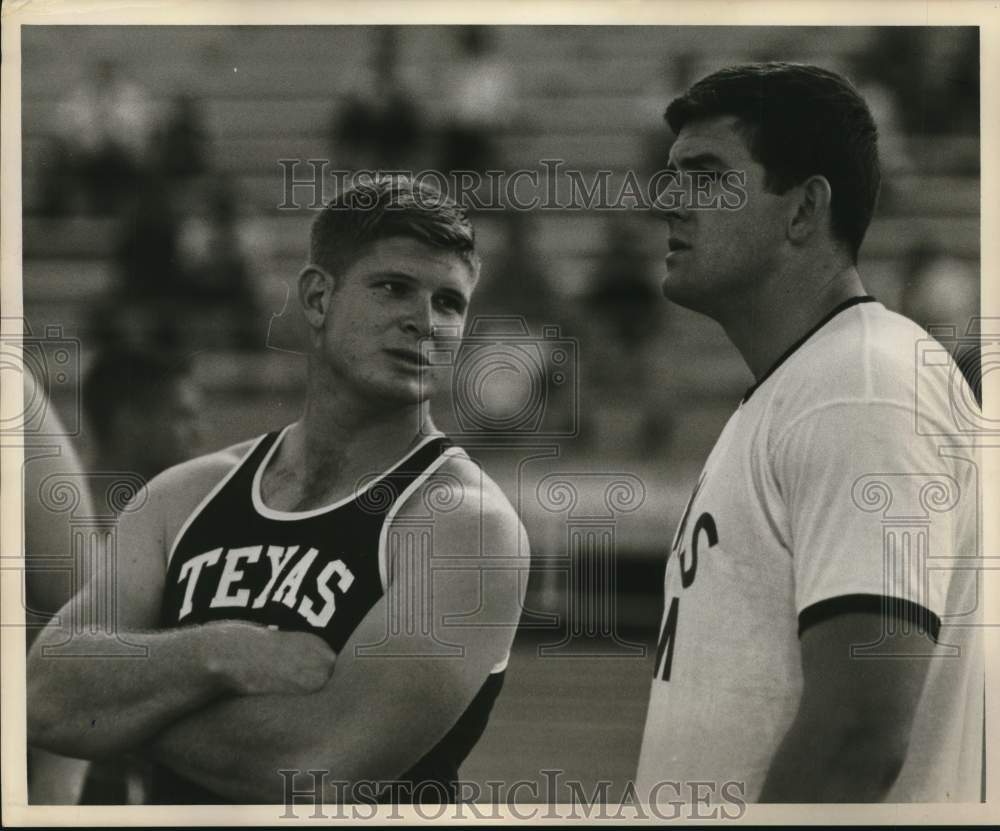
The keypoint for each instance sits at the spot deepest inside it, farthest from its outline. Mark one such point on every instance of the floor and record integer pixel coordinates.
(581, 716)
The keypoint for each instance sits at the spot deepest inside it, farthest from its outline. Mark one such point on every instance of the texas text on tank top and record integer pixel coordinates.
(327, 576)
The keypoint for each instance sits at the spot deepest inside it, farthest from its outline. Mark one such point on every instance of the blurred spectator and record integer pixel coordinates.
(887, 112)
(146, 255)
(101, 143)
(379, 127)
(143, 411)
(180, 141)
(676, 74)
(515, 281)
(144, 305)
(624, 309)
(942, 291)
(624, 298)
(479, 103)
(215, 270)
(182, 282)
(516, 296)
(934, 72)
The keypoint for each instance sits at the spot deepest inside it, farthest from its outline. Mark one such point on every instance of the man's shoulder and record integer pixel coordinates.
(178, 490)
(201, 470)
(459, 495)
(868, 354)
(482, 494)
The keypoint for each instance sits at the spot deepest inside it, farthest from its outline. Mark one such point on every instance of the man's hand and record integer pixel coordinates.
(255, 660)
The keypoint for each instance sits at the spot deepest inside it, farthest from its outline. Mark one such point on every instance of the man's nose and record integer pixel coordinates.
(672, 208)
(419, 319)
(673, 198)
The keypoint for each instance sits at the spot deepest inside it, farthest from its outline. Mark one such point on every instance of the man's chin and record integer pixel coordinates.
(409, 392)
(679, 292)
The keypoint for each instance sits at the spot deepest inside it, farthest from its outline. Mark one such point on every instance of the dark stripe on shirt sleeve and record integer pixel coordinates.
(903, 610)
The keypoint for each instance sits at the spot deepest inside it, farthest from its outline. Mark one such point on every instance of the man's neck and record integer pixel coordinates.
(341, 440)
(329, 432)
(769, 322)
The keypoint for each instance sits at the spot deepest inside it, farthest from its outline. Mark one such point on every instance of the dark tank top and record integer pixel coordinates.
(313, 571)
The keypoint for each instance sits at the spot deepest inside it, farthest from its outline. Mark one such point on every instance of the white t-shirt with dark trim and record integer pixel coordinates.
(844, 478)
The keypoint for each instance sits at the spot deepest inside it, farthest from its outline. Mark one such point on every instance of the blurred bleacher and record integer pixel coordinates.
(589, 96)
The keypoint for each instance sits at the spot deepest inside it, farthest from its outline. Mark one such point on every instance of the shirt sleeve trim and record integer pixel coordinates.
(895, 607)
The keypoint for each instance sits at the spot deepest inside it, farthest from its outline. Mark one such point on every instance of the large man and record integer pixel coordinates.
(811, 648)
(247, 569)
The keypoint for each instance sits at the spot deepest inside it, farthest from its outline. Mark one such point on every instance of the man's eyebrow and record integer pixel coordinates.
(699, 161)
(391, 273)
(454, 294)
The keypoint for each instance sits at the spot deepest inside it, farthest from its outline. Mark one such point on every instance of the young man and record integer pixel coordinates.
(355, 533)
(818, 641)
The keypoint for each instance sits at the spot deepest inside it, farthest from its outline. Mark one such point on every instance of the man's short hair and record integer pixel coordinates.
(127, 379)
(386, 207)
(798, 121)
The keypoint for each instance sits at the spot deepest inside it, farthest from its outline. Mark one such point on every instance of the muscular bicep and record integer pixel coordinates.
(146, 530)
(124, 574)
(420, 656)
(135, 566)
(864, 664)
(138, 565)
(100, 578)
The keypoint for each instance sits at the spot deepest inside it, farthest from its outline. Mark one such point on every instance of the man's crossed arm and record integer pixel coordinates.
(399, 685)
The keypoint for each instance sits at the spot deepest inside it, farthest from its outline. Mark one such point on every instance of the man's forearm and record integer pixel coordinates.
(827, 762)
(87, 706)
(236, 747)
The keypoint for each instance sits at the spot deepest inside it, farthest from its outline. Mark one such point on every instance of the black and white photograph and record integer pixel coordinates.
(461, 418)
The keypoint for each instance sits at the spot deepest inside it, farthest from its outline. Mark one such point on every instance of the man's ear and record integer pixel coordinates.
(316, 286)
(812, 212)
